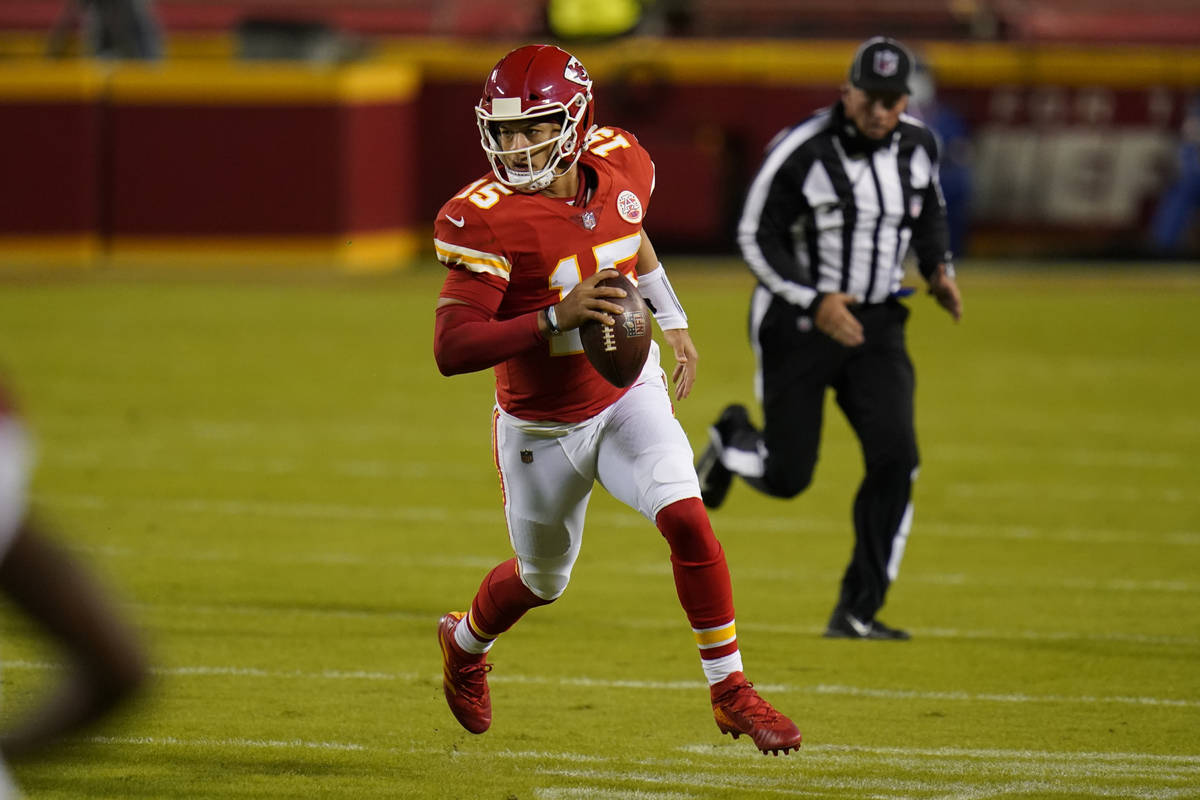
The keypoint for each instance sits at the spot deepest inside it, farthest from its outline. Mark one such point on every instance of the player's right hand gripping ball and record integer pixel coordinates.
(618, 352)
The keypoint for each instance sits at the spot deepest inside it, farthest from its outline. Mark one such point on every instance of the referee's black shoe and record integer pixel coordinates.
(715, 477)
(844, 625)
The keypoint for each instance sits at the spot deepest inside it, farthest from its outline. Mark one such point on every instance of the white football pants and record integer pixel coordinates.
(635, 448)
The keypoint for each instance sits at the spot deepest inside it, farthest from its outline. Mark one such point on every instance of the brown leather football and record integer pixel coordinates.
(618, 351)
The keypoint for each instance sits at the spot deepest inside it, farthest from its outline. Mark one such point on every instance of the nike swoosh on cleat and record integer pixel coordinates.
(860, 627)
(457, 222)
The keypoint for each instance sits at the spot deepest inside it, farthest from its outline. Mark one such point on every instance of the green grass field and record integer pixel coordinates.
(285, 495)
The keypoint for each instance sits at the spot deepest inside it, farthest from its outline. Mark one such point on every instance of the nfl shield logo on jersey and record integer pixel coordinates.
(588, 219)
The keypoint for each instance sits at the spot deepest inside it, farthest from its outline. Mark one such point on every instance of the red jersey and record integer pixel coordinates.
(528, 251)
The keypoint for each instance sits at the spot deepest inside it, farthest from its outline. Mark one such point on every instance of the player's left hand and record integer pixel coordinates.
(945, 290)
(684, 375)
(589, 301)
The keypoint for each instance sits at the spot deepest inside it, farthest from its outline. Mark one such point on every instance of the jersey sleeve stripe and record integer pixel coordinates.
(474, 260)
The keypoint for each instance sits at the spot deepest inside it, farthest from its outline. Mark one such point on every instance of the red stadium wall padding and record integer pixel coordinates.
(380, 183)
(253, 160)
(214, 155)
(51, 160)
(50, 163)
(186, 171)
(261, 153)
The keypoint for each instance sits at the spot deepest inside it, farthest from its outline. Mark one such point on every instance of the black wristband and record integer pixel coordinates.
(814, 305)
(552, 321)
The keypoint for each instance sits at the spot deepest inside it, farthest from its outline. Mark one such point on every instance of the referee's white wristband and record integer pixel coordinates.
(657, 292)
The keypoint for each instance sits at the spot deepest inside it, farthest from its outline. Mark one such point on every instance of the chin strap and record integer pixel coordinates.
(660, 297)
(516, 180)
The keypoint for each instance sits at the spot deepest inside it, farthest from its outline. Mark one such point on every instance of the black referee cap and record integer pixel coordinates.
(881, 65)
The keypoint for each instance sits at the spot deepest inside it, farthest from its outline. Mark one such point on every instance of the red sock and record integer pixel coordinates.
(701, 576)
(502, 599)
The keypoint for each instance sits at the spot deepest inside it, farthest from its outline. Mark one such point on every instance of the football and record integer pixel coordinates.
(618, 351)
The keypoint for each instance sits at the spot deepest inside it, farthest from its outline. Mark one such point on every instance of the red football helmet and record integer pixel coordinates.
(535, 81)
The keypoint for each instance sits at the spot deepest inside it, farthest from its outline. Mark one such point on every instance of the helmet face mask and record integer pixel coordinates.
(533, 84)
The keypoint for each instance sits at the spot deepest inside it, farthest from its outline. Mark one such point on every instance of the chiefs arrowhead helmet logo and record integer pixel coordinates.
(575, 72)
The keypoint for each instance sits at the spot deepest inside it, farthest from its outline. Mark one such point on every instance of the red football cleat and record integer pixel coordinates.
(738, 709)
(464, 679)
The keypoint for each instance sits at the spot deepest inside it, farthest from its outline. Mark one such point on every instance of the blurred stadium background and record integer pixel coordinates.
(269, 469)
(330, 131)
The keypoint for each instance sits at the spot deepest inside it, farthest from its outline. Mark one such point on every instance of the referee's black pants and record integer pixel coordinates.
(874, 385)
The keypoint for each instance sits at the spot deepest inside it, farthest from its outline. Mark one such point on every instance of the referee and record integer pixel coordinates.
(825, 228)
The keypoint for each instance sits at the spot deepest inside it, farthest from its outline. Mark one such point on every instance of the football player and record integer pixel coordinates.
(525, 246)
(47, 584)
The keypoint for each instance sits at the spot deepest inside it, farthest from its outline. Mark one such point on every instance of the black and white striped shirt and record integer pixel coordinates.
(831, 211)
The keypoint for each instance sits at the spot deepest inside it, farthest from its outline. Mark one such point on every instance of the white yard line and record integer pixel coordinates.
(816, 771)
(146, 453)
(228, 743)
(609, 683)
(1074, 493)
(159, 460)
(593, 793)
(851, 751)
(797, 783)
(492, 515)
(342, 558)
(972, 697)
(983, 634)
(1074, 457)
